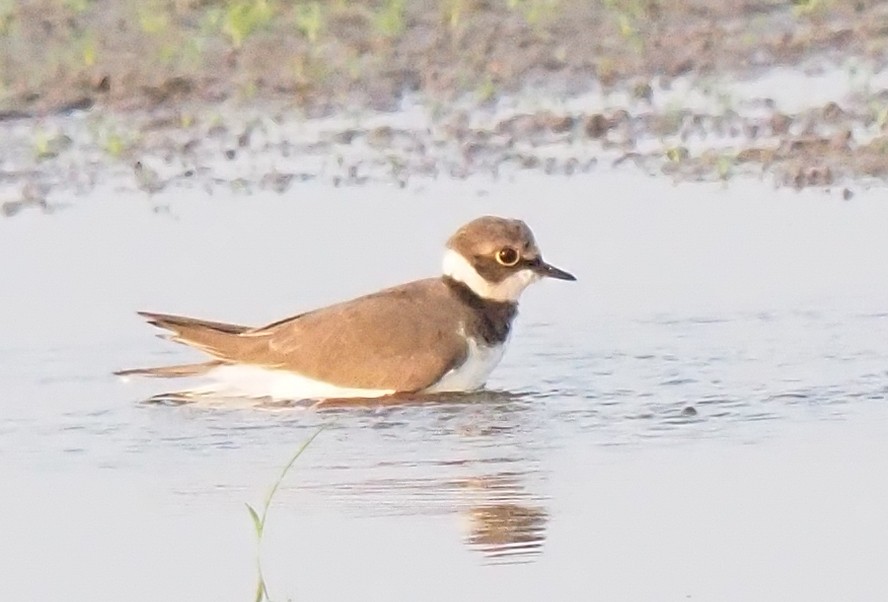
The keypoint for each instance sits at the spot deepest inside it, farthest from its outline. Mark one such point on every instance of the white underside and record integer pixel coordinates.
(243, 380)
(473, 373)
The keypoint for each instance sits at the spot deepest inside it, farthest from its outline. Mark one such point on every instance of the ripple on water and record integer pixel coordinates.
(582, 405)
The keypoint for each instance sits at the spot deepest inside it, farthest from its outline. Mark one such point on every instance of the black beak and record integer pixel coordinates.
(550, 271)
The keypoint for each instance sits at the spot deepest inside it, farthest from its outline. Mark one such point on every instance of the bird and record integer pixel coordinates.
(443, 334)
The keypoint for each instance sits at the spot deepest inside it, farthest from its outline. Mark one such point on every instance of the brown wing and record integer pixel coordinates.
(381, 341)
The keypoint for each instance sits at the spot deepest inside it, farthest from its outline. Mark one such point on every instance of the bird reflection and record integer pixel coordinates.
(475, 463)
(505, 522)
(466, 456)
(499, 517)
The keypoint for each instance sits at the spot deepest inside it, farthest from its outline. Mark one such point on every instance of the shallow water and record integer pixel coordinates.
(702, 415)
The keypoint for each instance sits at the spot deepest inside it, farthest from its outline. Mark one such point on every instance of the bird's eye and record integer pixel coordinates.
(507, 256)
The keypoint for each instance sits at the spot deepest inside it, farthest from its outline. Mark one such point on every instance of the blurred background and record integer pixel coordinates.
(156, 92)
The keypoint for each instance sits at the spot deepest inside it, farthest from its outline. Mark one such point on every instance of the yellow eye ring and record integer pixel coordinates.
(507, 256)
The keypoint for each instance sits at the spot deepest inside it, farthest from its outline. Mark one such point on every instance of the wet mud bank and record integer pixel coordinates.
(256, 94)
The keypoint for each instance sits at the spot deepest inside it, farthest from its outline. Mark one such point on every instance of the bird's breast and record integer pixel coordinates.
(480, 361)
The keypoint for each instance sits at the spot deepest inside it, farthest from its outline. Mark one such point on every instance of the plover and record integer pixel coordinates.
(436, 335)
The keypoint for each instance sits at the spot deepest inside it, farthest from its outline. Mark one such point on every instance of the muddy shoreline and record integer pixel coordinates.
(323, 56)
(226, 95)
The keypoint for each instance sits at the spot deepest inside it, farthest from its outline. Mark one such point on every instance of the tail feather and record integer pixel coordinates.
(201, 334)
(173, 323)
(172, 371)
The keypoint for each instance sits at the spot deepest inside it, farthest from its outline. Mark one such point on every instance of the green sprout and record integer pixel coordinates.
(89, 50)
(389, 20)
(676, 154)
(453, 10)
(259, 519)
(243, 17)
(804, 8)
(724, 166)
(76, 6)
(486, 90)
(7, 15)
(534, 11)
(309, 20)
(631, 15)
(153, 21)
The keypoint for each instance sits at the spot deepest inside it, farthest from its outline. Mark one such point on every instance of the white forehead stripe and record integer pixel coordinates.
(456, 267)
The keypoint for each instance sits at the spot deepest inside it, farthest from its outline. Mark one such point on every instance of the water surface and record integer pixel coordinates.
(701, 416)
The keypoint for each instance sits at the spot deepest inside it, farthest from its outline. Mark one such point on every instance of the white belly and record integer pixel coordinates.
(254, 382)
(241, 380)
(473, 373)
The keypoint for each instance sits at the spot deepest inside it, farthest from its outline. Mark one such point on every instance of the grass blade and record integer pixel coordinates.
(257, 523)
(284, 472)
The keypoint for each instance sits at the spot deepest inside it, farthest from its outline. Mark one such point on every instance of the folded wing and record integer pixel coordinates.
(381, 341)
